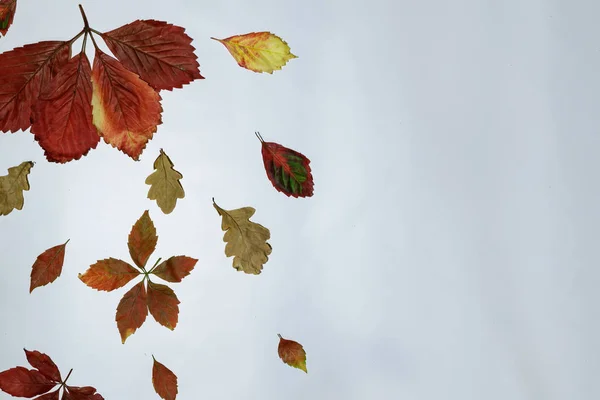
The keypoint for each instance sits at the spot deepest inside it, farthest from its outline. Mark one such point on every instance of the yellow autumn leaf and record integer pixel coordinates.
(258, 51)
(165, 186)
(12, 187)
(246, 240)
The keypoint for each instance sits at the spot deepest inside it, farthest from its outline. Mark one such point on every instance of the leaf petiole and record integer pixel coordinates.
(155, 265)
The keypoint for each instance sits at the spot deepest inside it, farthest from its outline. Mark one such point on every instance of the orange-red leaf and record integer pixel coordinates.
(24, 72)
(50, 396)
(125, 109)
(142, 240)
(43, 363)
(63, 115)
(164, 381)
(175, 268)
(109, 274)
(163, 304)
(292, 353)
(7, 14)
(81, 393)
(48, 266)
(132, 311)
(23, 382)
(160, 53)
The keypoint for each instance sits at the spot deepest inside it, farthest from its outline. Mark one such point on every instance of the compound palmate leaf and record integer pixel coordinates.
(12, 187)
(165, 186)
(292, 353)
(7, 14)
(48, 266)
(164, 381)
(246, 240)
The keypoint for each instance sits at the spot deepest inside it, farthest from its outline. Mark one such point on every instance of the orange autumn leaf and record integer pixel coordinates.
(258, 51)
(142, 240)
(48, 266)
(7, 14)
(163, 305)
(109, 274)
(292, 353)
(175, 268)
(132, 311)
(164, 381)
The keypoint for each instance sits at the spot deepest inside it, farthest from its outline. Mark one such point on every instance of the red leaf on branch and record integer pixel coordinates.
(132, 311)
(109, 274)
(175, 268)
(164, 381)
(7, 14)
(163, 305)
(44, 364)
(48, 266)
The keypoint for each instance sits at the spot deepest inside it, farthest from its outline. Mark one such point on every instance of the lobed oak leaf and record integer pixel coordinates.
(142, 240)
(288, 170)
(7, 14)
(164, 381)
(258, 51)
(23, 382)
(175, 268)
(166, 188)
(48, 266)
(163, 304)
(109, 274)
(132, 311)
(12, 187)
(126, 110)
(43, 363)
(159, 52)
(292, 353)
(246, 240)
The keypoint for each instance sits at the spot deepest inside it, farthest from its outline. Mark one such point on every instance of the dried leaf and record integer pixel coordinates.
(166, 188)
(163, 305)
(142, 240)
(246, 240)
(258, 51)
(175, 268)
(7, 14)
(50, 395)
(109, 274)
(164, 381)
(48, 266)
(292, 353)
(43, 363)
(12, 187)
(81, 393)
(23, 382)
(132, 311)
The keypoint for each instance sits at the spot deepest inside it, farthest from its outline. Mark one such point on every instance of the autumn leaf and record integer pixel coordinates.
(292, 353)
(165, 186)
(258, 51)
(142, 240)
(164, 381)
(132, 311)
(44, 364)
(48, 266)
(23, 382)
(246, 240)
(175, 268)
(163, 305)
(7, 14)
(12, 187)
(109, 274)
(288, 170)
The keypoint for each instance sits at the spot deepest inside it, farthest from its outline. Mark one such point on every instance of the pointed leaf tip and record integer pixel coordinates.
(292, 353)
(47, 267)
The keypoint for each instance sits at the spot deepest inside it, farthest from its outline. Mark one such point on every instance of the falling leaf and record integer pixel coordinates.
(12, 187)
(175, 268)
(48, 266)
(7, 14)
(109, 274)
(160, 53)
(246, 240)
(132, 311)
(258, 51)
(163, 305)
(142, 240)
(166, 188)
(164, 381)
(292, 353)
(288, 170)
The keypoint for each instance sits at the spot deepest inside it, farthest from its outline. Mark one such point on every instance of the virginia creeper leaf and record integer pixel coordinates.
(63, 115)
(7, 14)
(44, 364)
(142, 240)
(81, 393)
(288, 170)
(24, 72)
(125, 109)
(109, 274)
(160, 53)
(175, 268)
(292, 353)
(164, 381)
(48, 266)
(23, 382)
(49, 396)
(246, 240)
(163, 305)
(132, 311)
(166, 188)
(12, 187)
(258, 51)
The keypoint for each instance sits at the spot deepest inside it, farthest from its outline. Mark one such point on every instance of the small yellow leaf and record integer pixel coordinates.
(165, 186)
(246, 240)
(258, 51)
(12, 187)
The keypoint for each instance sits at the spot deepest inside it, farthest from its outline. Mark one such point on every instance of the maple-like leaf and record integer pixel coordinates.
(164, 381)
(159, 52)
(7, 14)
(246, 240)
(165, 186)
(132, 311)
(109, 274)
(288, 170)
(258, 51)
(175, 268)
(12, 187)
(163, 305)
(142, 240)
(292, 353)
(48, 266)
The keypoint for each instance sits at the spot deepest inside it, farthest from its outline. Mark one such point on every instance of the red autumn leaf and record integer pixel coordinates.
(160, 53)
(163, 305)
(109, 274)
(288, 170)
(49, 396)
(7, 14)
(44, 364)
(132, 311)
(48, 266)
(292, 353)
(142, 240)
(164, 381)
(126, 110)
(175, 268)
(81, 393)
(23, 382)
(63, 116)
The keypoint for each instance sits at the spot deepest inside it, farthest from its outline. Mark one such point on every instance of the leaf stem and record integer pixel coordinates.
(85, 20)
(259, 136)
(66, 242)
(68, 375)
(155, 264)
(279, 336)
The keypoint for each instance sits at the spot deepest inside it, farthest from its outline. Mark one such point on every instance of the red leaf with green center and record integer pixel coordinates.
(164, 381)
(7, 14)
(47, 267)
(163, 304)
(23, 382)
(175, 268)
(109, 274)
(288, 170)
(132, 311)
(142, 240)
(43, 363)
